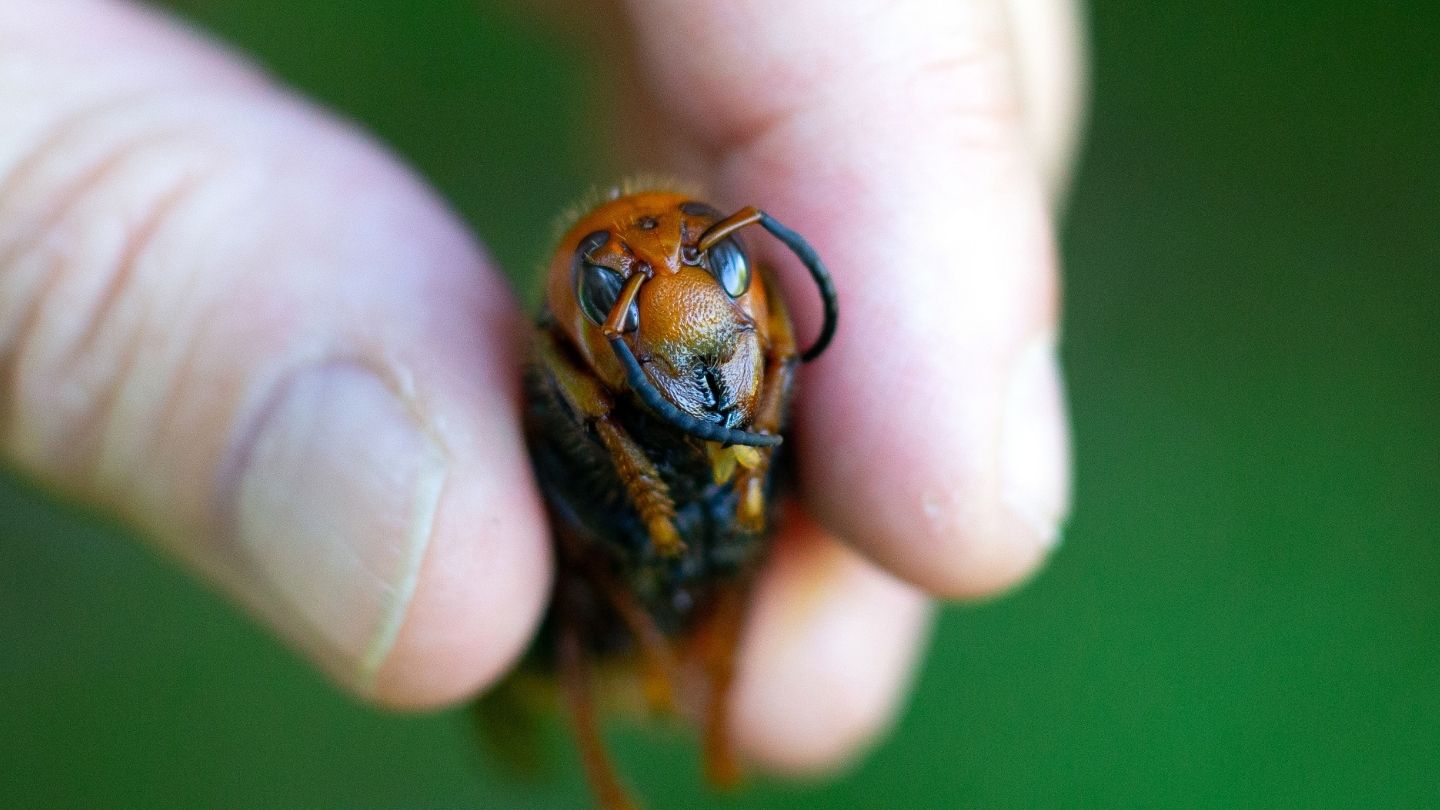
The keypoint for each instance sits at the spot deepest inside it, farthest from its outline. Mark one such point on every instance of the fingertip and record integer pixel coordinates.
(1048, 48)
(966, 494)
(479, 597)
(958, 551)
(826, 657)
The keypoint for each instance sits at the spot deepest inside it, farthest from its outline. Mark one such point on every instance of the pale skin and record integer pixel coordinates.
(248, 331)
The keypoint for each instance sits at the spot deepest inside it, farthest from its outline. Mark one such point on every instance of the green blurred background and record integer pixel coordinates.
(1247, 607)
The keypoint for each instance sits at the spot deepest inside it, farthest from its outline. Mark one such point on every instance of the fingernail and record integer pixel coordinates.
(1034, 441)
(335, 510)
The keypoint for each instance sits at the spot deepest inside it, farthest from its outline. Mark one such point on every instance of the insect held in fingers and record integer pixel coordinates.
(656, 402)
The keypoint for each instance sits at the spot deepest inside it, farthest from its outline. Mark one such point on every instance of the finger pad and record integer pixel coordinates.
(826, 657)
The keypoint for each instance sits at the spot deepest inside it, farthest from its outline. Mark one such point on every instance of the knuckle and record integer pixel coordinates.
(932, 75)
(90, 211)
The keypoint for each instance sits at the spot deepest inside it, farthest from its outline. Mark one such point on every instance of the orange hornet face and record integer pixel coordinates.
(696, 325)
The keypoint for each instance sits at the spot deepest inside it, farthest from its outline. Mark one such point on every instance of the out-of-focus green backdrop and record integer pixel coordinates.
(1246, 611)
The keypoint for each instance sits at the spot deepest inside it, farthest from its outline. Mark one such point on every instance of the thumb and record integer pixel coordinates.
(244, 329)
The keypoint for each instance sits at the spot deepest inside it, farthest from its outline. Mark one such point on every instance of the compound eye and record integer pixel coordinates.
(596, 286)
(730, 266)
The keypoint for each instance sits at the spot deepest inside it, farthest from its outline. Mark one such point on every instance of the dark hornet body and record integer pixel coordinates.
(655, 401)
(586, 500)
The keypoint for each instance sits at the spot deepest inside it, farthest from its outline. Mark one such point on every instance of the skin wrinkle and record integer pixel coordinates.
(196, 393)
(795, 85)
(139, 237)
(90, 469)
(741, 137)
(182, 363)
(219, 75)
(185, 370)
(65, 201)
(968, 130)
(13, 352)
(100, 448)
(75, 121)
(73, 132)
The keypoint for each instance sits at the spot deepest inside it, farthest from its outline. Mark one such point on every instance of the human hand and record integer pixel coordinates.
(245, 329)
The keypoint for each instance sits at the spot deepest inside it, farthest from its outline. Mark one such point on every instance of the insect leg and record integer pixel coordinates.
(646, 490)
(719, 639)
(575, 677)
(645, 487)
(656, 658)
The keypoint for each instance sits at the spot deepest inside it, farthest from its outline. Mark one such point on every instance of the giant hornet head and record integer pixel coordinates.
(658, 294)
